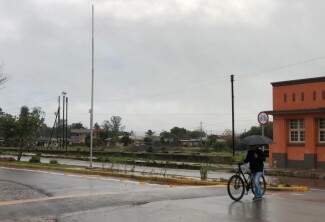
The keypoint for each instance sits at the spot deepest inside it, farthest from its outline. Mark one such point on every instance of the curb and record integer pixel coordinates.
(289, 189)
(96, 172)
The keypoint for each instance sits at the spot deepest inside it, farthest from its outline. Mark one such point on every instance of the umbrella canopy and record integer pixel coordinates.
(256, 140)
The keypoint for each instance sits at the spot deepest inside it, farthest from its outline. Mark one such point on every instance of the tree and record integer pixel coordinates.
(8, 128)
(77, 126)
(126, 140)
(179, 133)
(99, 135)
(28, 126)
(97, 126)
(150, 133)
(113, 128)
(148, 140)
(3, 78)
(167, 137)
(257, 130)
(196, 134)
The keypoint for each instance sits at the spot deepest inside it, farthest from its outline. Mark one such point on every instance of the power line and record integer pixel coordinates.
(166, 114)
(289, 65)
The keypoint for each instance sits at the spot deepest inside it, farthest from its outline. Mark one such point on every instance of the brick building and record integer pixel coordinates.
(298, 124)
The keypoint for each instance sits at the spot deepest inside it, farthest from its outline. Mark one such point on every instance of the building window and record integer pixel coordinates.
(293, 97)
(321, 129)
(285, 97)
(314, 95)
(302, 96)
(323, 94)
(297, 131)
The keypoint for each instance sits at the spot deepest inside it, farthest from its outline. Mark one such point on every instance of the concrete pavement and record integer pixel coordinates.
(59, 197)
(273, 208)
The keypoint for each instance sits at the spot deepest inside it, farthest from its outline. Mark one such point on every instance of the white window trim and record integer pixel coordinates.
(320, 130)
(299, 130)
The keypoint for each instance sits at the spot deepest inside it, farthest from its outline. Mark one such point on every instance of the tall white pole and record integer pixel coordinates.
(92, 84)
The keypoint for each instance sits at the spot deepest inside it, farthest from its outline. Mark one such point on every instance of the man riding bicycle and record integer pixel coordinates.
(255, 157)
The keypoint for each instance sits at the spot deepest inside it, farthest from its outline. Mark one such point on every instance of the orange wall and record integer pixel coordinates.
(280, 123)
(321, 153)
(306, 88)
(297, 152)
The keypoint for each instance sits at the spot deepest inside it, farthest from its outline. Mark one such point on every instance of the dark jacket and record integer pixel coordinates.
(255, 158)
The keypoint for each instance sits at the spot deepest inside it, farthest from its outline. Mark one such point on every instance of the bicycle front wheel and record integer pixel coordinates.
(236, 187)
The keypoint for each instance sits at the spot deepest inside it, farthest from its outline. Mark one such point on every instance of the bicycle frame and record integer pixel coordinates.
(247, 181)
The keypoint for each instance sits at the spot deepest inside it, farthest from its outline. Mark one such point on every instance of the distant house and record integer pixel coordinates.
(78, 136)
(136, 140)
(2, 141)
(45, 141)
(192, 142)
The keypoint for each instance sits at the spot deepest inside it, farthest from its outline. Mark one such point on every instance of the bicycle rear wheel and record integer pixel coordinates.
(236, 187)
(262, 185)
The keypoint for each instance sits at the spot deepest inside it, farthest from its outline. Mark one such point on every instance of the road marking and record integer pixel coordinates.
(317, 189)
(14, 202)
(297, 194)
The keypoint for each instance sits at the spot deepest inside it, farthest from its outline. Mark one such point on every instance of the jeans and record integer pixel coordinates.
(257, 176)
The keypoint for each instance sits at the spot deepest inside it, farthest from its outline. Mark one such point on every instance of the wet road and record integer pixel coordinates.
(59, 197)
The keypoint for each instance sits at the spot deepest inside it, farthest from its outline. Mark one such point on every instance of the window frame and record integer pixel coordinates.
(300, 131)
(293, 97)
(320, 130)
(285, 98)
(314, 95)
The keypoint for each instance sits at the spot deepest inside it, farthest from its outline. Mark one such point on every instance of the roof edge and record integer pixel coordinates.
(299, 81)
(295, 111)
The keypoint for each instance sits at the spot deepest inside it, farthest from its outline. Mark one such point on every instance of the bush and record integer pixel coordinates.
(7, 159)
(149, 149)
(54, 162)
(221, 147)
(35, 159)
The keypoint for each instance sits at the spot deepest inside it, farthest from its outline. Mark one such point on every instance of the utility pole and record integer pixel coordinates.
(233, 114)
(59, 121)
(63, 119)
(66, 127)
(92, 84)
(201, 129)
(54, 128)
(263, 129)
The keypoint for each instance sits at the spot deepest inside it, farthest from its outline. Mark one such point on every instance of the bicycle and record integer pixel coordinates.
(239, 183)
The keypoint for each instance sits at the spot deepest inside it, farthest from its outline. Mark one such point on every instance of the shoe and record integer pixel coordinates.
(257, 198)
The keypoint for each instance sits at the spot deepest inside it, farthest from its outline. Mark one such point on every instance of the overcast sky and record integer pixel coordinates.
(158, 64)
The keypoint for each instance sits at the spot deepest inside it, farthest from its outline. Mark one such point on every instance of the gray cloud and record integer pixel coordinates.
(158, 63)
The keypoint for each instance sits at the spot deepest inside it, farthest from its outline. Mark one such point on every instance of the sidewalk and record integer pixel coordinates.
(299, 173)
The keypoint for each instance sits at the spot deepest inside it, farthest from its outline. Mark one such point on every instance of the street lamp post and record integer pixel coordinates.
(92, 84)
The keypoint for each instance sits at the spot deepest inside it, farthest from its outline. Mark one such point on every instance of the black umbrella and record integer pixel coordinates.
(256, 140)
